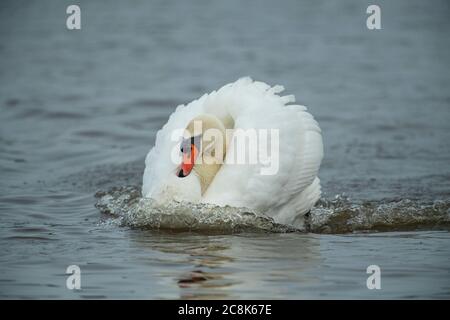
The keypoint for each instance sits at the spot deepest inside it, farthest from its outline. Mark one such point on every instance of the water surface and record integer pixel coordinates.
(80, 110)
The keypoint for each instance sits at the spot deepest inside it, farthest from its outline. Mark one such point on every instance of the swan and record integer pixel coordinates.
(186, 165)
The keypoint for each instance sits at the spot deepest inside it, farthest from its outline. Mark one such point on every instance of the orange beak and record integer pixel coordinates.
(188, 161)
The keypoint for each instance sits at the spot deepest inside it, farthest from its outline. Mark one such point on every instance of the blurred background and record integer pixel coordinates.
(98, 95)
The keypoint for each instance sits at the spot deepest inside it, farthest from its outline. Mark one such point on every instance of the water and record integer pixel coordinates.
(80, 110)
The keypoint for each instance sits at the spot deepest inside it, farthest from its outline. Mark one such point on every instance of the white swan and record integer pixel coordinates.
(244, 104)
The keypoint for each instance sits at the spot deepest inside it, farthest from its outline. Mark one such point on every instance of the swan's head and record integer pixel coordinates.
(203, 149)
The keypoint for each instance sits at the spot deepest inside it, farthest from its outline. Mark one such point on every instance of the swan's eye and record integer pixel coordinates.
(184, 147)
(188, 144)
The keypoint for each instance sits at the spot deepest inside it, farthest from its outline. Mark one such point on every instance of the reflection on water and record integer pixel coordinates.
(216, 267)
(206, 260)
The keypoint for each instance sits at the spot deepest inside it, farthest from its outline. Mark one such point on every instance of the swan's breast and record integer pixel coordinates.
(178, 189)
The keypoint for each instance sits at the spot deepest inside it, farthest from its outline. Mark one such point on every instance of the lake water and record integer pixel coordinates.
(80, 110)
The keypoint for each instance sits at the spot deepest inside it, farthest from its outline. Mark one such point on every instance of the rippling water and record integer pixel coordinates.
(80, 110)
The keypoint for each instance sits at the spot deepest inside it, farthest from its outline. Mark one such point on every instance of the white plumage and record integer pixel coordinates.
(287, 195)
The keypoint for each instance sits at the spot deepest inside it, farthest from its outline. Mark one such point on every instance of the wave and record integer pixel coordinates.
(341, 215)
(131, 210)
(338, 215)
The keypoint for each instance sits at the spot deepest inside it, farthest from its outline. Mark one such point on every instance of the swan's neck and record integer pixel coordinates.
(206, 173)
(208, 168)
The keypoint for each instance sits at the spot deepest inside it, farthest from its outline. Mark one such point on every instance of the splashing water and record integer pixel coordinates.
(339, 215)
(134, 211)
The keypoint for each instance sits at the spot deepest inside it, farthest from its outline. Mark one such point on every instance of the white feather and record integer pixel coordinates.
(287, 195)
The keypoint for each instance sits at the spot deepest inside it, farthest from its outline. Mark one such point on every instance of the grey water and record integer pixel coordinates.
(79, 110)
